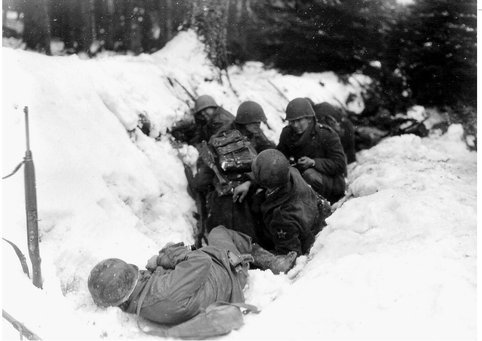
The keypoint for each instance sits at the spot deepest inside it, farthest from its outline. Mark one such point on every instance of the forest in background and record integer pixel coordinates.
(422, 52)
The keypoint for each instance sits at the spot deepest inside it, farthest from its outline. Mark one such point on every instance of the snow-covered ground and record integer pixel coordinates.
(397, 260)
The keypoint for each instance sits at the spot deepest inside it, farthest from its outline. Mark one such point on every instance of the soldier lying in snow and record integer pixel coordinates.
(180, 283)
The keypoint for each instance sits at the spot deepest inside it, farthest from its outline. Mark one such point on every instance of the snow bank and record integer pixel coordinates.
(397, 259)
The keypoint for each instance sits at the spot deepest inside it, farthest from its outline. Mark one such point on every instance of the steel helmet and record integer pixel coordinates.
(271, 168)
(324, 109)
(299, 108)
(204, 102)
(250, 112)
(112, 281)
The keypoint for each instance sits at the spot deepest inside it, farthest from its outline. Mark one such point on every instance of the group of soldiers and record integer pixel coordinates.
(281, 202)
(269, 216)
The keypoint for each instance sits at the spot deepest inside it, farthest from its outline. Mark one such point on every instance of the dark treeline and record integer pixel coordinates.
(421, 53)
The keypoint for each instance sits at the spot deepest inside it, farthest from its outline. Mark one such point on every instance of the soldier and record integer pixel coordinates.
(208, 117)
(249, 117)
(293, 213)
(180, 283)
(327, 114)
(239, 216)
(314, 149)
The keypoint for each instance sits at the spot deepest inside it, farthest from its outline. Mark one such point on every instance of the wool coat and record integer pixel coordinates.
(292, 215)
(198, 279)
(221, 210)
(322, 144)
(206, 129)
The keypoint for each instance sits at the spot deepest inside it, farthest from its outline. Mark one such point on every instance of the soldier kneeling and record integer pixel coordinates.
(292, 212)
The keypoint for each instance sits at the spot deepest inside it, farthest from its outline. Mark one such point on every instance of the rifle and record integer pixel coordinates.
(31, 208)
(200, 201)
(208, 157)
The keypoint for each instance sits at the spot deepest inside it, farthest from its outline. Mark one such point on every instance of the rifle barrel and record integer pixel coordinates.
(25, 110)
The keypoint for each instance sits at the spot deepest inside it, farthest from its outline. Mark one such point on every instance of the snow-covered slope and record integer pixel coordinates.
(396, 260)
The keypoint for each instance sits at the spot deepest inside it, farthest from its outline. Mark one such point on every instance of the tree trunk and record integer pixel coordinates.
(105, 14)
(169, 26)
(36, 32)
(93, 25)
(240, 25)
(166, 23)
(87, 26)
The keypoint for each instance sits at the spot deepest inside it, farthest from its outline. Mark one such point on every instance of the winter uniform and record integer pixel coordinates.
(206, 129)
(259, 140)
(221, 209)
(326, 114)
(197, 279)
(320, 143)
(291, 215)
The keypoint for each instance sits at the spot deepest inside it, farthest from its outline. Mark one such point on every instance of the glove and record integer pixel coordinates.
(173, 254)
(152, 263)
(170, 245)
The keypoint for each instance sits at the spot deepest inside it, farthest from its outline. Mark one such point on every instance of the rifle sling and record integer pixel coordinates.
(21, 257)
(14, 171)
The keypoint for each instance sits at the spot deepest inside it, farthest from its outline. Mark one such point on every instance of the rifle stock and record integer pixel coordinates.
(208, 157)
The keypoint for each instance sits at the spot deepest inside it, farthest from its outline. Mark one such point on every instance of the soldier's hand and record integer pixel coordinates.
(305, 162)
(241, 191)
(152, 263)
(170, 245)
(173, 255)
(166, 261)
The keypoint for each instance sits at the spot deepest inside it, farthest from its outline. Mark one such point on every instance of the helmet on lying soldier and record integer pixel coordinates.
(271, 168)
(112, 281)
(250, 112)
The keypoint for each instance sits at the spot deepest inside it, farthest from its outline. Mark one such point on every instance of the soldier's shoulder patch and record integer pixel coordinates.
(281, 234)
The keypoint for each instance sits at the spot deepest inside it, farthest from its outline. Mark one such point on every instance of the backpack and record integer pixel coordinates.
(234, 151)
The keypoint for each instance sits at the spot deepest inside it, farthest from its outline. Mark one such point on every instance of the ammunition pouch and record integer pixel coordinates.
(234, 151)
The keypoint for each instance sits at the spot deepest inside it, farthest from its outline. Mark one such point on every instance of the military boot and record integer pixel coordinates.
(265, 260)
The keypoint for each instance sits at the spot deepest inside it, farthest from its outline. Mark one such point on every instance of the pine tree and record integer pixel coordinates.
(304, 35)
(210, 18)
(437, 51)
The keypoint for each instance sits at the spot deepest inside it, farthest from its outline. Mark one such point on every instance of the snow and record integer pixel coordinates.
(397, 259)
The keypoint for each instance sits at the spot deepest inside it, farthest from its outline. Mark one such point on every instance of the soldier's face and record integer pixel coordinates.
(253, 128)
(204, 115)
(300, 125)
